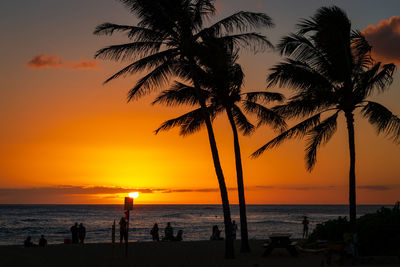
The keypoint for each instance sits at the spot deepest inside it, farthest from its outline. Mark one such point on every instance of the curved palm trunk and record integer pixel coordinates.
(352, 173)
(229, 248)
(244, 242)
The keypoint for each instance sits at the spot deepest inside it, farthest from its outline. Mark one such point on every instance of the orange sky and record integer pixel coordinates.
(66, 138)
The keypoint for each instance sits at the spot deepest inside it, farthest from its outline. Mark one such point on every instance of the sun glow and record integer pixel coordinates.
(133, 194)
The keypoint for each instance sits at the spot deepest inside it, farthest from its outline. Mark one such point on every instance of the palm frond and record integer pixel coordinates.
(303, 105)
(149, 62)
(317, 136)
(299, 76)
(133, 32)
(383, 120)
(128, 51)
(255, 42)
(377, 77)
(154, 79)
(189, 123)
(297, 131)
(241, 21)
(265, 115)
(203, 10)
(180, 94)
(241, 121)
(264, 96)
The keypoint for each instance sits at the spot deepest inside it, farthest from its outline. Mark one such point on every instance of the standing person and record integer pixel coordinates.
(123, 230)
(42, 241)
(81, 233)
(234, 229)
(74, 232)
(169, 232)
(305, 223)
(154, 233)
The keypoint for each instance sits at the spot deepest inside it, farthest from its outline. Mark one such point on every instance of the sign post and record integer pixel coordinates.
(127, 207)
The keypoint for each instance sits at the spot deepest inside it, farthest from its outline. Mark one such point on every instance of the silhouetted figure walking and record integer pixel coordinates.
(42, 241)
(234, 229)
(154, 233)
(305, 223)
(123, 230)
(74, 233)
(169, 233)
(81, 233)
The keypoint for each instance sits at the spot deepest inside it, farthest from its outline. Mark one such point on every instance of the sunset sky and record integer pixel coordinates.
(67, 138)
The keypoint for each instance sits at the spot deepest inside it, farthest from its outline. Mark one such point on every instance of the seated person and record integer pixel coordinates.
(179, 236)
(42, 241)
(28, 242)
(216, 233)
(169, 233)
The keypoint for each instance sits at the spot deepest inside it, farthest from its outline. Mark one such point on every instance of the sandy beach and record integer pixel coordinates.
(201, 253)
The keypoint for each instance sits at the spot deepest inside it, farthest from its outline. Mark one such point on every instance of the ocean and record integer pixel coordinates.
(196, 221)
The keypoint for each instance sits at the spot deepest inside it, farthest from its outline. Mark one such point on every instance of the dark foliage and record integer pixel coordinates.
(378, 233)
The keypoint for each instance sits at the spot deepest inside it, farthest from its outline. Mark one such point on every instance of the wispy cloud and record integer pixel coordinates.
(52, 61)
(90, 190)
(385, 39)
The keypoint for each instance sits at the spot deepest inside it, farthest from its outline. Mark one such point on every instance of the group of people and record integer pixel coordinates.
(168, 233)
(216, 233)
(78, 233)
(42, 242)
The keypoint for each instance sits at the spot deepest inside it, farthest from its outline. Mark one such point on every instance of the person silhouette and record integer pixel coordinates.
(42, 241)
(305, 223)
(81, 233)
(123, 230)
(234, 229)
(216, 233)
(74, 233)
(154, 233)
(169, 233)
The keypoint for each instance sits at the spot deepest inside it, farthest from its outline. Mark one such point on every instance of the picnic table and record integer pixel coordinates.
(280, 240)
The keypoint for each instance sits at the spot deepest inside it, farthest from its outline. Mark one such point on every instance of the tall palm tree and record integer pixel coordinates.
(331, 71)
(221, 81)
(165, 43)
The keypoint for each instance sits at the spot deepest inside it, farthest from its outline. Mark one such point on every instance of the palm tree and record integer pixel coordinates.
(331, 71)
(221, 81)
(165, 43)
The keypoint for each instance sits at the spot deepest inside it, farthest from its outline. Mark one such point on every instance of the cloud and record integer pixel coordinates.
(385, 40)
(52, 61)
(376, 187)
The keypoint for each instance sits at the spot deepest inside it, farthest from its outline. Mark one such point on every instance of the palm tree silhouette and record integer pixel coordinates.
(330, 69)
(165, 44)
(221, 79)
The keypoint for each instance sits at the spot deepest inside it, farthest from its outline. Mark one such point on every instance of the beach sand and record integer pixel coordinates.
(199, 253)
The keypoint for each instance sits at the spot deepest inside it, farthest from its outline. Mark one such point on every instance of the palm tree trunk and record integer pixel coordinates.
(244, 242)
(229, 248)
(352, 173)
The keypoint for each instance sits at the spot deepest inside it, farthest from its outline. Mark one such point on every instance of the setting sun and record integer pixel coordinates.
(133, 194)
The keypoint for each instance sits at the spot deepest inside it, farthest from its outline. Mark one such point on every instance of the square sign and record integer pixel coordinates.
(128, 203)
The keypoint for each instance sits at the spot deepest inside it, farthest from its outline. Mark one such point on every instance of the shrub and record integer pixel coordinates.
(378, 233)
